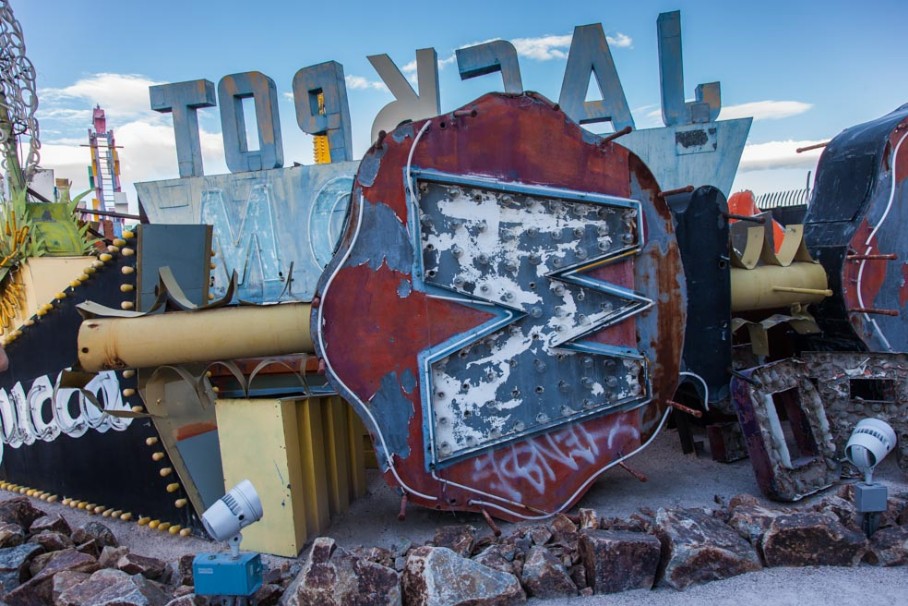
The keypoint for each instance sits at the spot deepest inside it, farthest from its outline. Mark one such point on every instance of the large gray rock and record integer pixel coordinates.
(133, 563)
(109, 587)
(889, 547)
(619, 560)
(190, 599)
(752, 520)
(19, 510)
(332, 577)
(97, 532)
(66, 580)
(39, 589)
(14, 563)
(812, 539)
(51, 540)
(436, 576)
(11, 535)
(53, 522)
(544, 576)
(500, 557)
(698, 548)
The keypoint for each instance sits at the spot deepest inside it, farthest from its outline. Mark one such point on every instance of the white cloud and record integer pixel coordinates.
(543, 48)
(765, 110)
(778, 154)
(119, 94)
(360, 83)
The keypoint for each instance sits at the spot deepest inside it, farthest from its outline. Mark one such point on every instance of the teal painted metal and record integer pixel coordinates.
(488, 58)
(695, 154)
(232, 90)
(590, 54)
(675, 110)
(264, 222)
(326, 79)
(183, 99)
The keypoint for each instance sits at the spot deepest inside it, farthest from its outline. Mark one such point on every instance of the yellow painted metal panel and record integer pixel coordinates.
(355, 432)
(258, 442)
(312, 463)
(337, 453)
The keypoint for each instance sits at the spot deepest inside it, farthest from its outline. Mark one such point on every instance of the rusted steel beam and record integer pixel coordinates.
(685, 409)
(637, 474)
(801, 150)
(880, 257)
(671, 192)
(620, 133)
(874, 310)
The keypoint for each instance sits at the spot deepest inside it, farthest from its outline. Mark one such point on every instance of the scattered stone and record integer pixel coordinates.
(14, 563)
(842, 509)
(182, 590)
(812, 539)
(111, 555)
(11, 535)
(563, 529)
(50, 522)
(888, 547)
(698, 548)
(39, 562)
(65, 581)
(19, 510)
(133, 563)
(589, 519)
(497, 557)
(109, 587)
(459, 539)
(51, 540)
(635, 524)
(440, 577)
(539, 535)
(401, 547)
(189, 599)
(375, 554)
(68, 559)
(183, 574)
(332, 577)
(267, 595)
(751, 520)
(89, 548)
(543, 576)
(578, 575)
(619, 560)
(101, 534)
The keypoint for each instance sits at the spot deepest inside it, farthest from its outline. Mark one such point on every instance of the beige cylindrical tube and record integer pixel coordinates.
(183, 337)
(772, 286)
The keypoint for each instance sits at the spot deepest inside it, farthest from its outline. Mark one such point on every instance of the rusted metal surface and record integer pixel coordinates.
(789, 462)
(855, 227)
(506, 310)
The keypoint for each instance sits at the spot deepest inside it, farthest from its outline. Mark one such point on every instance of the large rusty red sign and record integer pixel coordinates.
(506, 308)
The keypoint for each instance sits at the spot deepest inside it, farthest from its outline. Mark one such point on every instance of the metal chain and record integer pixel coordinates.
(18, 96)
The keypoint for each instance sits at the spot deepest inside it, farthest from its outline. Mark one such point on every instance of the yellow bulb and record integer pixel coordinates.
(91, 269)
(157, 456)
(166, 471)
(119, 242)
(100, 262)
(173, 487)
(107, 513)
(126, 517)
(138, 409)
(129, 392)
(29, 322)
(75, 283)
(113, 249)
(127, 305)
(180, 503)
(127, 288)
(85, 276)
(60, 295)
(128, 252)
(185, 532)
(128, 235)
(214, 266)
(127, 270)
(151, 441)
(211, 296)
(52, 498)
(99, 509)
(163, 526)
(154, 524)
(174, 529)
(143, 521)
(129, 373)
(105, 257)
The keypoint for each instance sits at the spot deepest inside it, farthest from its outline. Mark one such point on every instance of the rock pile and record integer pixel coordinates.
(44, 562)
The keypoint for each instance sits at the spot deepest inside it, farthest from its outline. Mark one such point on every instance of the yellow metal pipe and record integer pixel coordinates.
(226, 333)
(772, 286)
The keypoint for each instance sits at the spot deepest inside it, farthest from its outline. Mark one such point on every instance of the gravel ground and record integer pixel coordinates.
(673, 480)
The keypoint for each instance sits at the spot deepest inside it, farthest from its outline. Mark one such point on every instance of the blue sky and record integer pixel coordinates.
(804, 70)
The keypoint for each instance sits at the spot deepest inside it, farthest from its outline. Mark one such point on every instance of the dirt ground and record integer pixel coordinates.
(673, 480)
